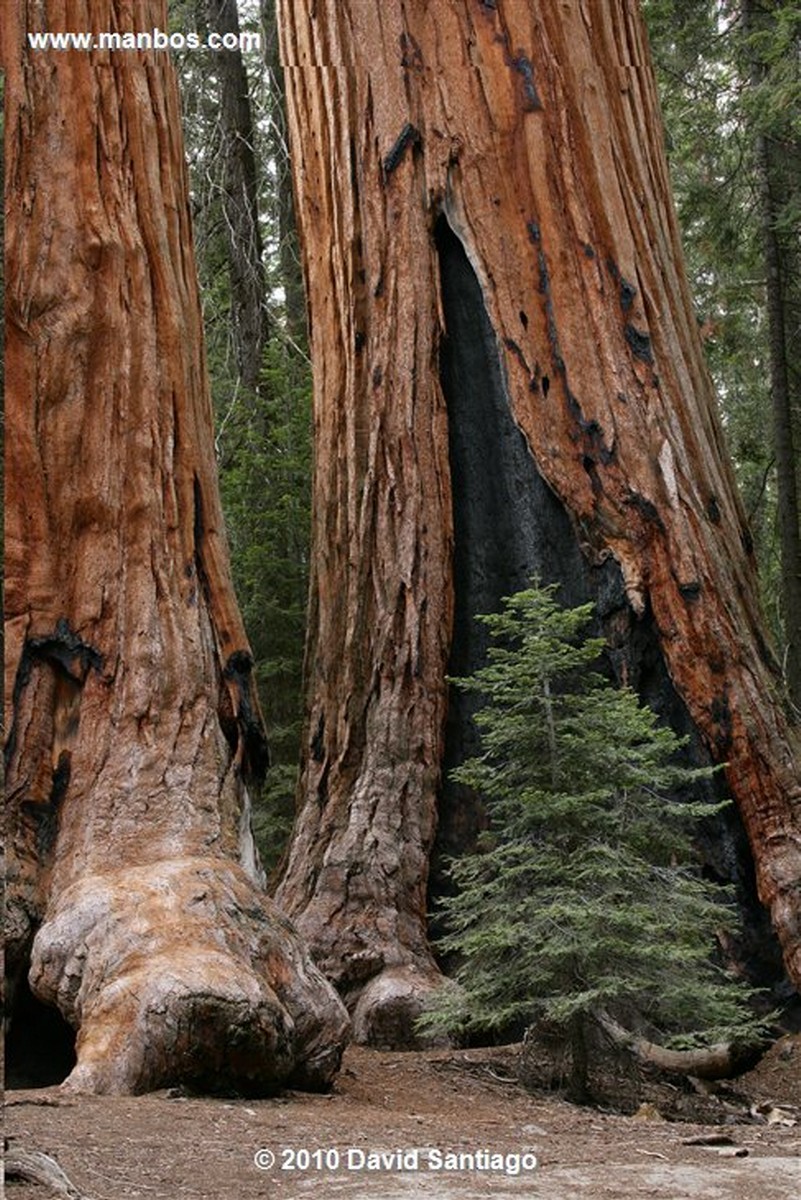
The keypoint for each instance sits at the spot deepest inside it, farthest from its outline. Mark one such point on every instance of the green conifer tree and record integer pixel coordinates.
(583, 899)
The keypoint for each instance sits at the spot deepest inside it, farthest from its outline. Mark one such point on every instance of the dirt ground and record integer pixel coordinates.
(417, 1109)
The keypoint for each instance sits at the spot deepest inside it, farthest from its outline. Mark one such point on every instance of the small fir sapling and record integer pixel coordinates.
(583, 899)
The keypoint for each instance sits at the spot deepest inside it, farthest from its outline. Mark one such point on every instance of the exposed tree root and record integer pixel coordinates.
(182, 973)
(389, 1005)
(720, 1061)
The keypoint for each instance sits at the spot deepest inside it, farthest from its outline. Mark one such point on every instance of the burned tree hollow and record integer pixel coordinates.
(509, 529)
(40, 1045)
(508, 526)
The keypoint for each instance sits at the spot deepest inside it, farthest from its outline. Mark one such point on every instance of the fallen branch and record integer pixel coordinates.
(35, 1167)
(715, 1062)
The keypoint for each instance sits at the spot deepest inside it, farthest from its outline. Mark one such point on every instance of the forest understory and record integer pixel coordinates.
(669, 1141)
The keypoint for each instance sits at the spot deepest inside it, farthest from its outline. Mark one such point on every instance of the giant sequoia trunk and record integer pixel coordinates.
(134, 898)
(288, 250)
(240, 201)
(508, 380)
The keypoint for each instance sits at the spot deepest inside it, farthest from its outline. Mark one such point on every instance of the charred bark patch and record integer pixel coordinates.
(65, 649)
(494, 474)
(514, 349)
(408, 136)
(45, 816)
(525, 69)
(318, 740)
(646, 508)
(545, 282)
(639, 343)
(255, 751)
(411, 54)
(627, 294)
(70, 657)
(544, 285)
(553, 338)
(198, 523)
(590, 432)
(199, 535)
(45, 822)
(721, 715)
(61, 779)
(627, 291)
(591, 469)
(354, 183)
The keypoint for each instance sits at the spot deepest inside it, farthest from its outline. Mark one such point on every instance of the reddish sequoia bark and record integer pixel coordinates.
(494, 171)
(133, 726)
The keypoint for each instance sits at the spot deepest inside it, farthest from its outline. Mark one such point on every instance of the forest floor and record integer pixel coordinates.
(418, 1108)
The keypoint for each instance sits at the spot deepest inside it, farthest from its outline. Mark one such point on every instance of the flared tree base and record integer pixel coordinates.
(181, 973)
